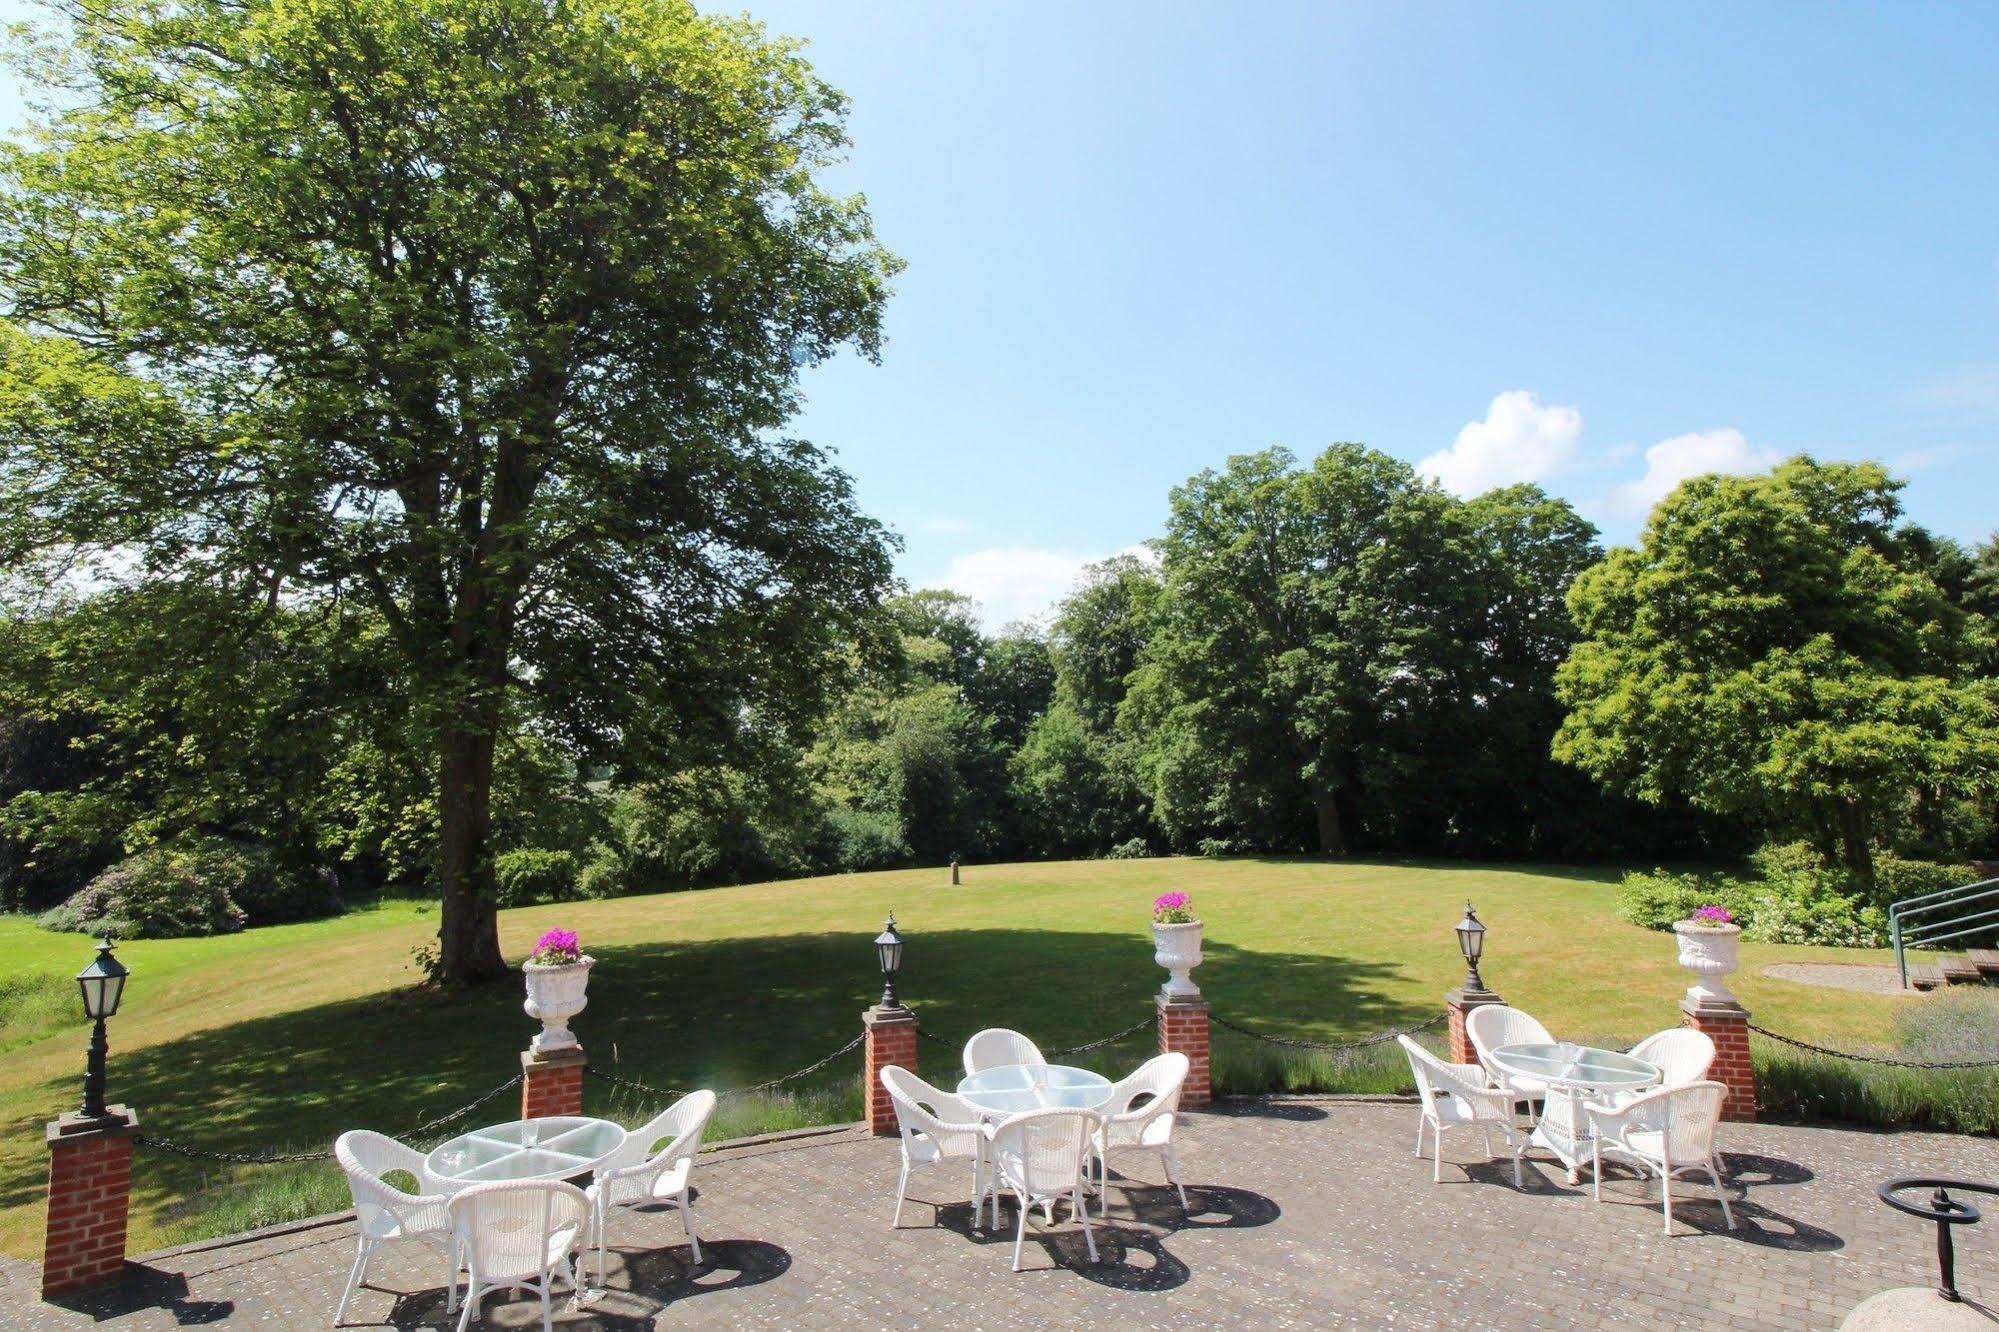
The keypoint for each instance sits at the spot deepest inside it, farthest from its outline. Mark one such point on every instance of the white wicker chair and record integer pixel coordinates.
(936, 1127)
(385, 1214)
(1682, 1054)
(518, 1235)
(996, 1047)
(1493, 1025)
(1455, 1095)
(1041, 1157)
(1663, 1132)
(630, 1177)
(1141, 1113)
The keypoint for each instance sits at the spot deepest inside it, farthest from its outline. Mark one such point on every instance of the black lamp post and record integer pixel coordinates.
(1471, 942)
(888, 950)
(103, 985)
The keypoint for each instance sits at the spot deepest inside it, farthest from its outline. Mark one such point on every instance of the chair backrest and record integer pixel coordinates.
(1043, 1151)
(997, 1046)
(682, 1123)
(366, 1158)
(1151, 1090)
(1493, 1025)
(1682, 1054)
(922, 1108)
(1686, 1117)
(508, 1227)
(1436, 1078)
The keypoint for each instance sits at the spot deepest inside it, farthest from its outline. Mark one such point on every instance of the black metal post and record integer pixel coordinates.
(93, 1077)
(1946, 1250)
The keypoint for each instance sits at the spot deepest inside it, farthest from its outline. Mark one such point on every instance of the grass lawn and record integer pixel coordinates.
(281, 1037)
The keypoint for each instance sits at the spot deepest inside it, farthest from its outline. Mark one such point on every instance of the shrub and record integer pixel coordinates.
(1216, 847)
(530, 874)
(1135, 849)
(865, 840)
(1790, 902)
(272, 893)
(1953, 1026)
(1896, 878)
(1658, 899)
(602, 876)
(160, 893)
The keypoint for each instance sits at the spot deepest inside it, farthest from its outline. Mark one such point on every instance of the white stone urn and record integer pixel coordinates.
(1178, 949)
(1709, 952)
(555, 995)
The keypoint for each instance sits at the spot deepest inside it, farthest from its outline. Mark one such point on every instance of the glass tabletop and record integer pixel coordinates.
(1011, 1088)
(1576, 1065)
(525, 1149)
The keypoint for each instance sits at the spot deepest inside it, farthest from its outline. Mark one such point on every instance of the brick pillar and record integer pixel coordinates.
(1183, 1026)
(1459, 1003)
(90, 1189)
(552, 1083)
(1727, 1025)
(889, 1042)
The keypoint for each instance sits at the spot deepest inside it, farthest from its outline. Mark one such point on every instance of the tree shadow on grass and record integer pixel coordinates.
(717, 1013)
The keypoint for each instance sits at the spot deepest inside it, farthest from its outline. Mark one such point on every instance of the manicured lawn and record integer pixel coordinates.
(281, 1037)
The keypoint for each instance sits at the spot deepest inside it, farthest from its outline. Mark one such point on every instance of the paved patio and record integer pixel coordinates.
(1306, 1212)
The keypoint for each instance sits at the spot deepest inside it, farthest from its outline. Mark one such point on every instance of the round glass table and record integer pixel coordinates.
(558, 1148)
(1009, 1089)
(1571, 1073)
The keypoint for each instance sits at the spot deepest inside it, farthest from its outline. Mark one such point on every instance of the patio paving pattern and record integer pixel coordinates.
(1305, 1213)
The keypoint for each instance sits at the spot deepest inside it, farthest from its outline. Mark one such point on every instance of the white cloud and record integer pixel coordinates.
(945, 524)
(1672, 461)
(1021, 582)
(1519, 440)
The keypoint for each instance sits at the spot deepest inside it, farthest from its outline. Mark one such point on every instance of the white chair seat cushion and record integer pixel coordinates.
(377, 1224)
(1650, 1144)
(1154, 1132)
(622, 1190)
(923, 1149)
(559, 1245)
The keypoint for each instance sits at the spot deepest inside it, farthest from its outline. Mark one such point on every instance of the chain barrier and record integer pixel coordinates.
(658, 1093)
(1084, 1048)
(1299, 1043)
(424, 1129)
(1889, 1060)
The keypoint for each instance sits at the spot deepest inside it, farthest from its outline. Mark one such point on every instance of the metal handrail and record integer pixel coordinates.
(1905, 933)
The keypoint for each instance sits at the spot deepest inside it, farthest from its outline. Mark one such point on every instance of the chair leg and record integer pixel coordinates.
(1666, 1197)
(474, 1297)
(547, 1313)
(1517, 1147)
(1596, 1170)
(1436, 1153)
(901, 1192)
(1020, 1231)
(1084, 1216)
(687, 1221)
(354, 1281)
(1422, 1122)
(1721, 1197)
(1172, 1167)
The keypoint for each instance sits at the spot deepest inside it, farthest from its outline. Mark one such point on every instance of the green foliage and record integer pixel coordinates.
(486, 317)
(1897, 878)
(161, 893)
(1778, 648)
(862, 840)
(1789, 897)
(1135, 849)
(1078, 788)
(527, 875)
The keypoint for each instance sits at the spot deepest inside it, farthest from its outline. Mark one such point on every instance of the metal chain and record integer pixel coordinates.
(635, 1084)
(1300, 1043)
(428, 1126)
(1890, 1061)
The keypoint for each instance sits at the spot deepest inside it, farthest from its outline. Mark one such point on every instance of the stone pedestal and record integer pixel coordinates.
(1459, 1003)
(1919, 1309)
(889, 1041)
(90, 1190)
(552, 1083)
(1183, 1028)
(1727, 1025)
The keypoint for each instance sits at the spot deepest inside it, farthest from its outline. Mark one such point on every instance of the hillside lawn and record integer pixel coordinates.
(279, 1038)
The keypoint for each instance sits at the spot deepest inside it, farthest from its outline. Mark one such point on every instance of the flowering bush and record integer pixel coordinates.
(557, 948)
(1712, 916)
(1172, 909)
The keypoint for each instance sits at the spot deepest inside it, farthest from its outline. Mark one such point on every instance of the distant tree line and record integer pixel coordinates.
(1328, 658)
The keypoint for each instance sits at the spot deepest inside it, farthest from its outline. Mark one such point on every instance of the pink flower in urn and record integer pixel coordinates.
(1172, 909)
(557, 948)
(1713, 917)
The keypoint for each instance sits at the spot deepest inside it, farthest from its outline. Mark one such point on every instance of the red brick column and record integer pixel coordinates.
(1727, 1025)
(90, 1189)
(1183, 1026)
(889, 1040)
(552, 1083)
(1459, 1003)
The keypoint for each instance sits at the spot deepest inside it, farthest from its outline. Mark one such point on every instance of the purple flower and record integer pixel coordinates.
(1172, 909)
(1169, 901)
(556, 948)
(1712, 916)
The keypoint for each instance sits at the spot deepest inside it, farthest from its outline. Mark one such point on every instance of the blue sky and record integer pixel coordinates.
(1597, 247)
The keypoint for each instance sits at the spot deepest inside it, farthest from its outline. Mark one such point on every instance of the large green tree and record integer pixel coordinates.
(487, 311)
(1778, 646)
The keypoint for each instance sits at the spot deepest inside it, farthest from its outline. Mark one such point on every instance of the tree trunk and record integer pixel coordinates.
(1854, 851)
(469, 930)
(1332, 836)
